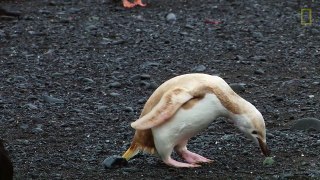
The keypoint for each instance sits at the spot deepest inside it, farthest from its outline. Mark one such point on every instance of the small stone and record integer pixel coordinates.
(114, 161)
(145, 76)
(259, 58)
(38, 129)
(24, 126)
(307, 124)
(57, 74)
(88, 80)
(270, 135)
(102, 108)
(238, 87)
(171, 17)
(19, 79)
(259, 71)
(31, 106)
(88, 89)
(114, 94)
(240, 58)
(199, 68)
(52, 100)
(128, 109)
(268, 161)
(115, 85)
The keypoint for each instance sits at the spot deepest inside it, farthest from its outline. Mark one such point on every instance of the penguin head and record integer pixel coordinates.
(253, 126)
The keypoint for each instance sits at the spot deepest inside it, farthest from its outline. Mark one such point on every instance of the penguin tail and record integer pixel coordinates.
(131, 152)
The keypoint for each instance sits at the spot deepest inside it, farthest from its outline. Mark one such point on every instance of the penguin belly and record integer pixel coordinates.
(186, 123)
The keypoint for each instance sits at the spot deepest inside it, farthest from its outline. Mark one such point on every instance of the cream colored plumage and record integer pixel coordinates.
(185, 105)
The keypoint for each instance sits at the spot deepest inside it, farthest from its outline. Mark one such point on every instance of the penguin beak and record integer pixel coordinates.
(263, 147)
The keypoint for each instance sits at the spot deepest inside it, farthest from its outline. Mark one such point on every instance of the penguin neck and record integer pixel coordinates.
(243, 108)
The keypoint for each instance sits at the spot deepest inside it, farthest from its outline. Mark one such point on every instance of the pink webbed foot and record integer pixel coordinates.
(174, 163)
(127, 4)
(193, 158)
(139, 2)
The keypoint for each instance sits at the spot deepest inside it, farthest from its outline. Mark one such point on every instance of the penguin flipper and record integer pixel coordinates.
(169, 103)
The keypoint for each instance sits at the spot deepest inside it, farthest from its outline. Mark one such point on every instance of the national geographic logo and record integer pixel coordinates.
(309, 13)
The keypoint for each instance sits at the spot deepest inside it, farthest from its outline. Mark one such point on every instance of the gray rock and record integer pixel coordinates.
(259, 71)
(102, 108)
(238, 87)
(114, 161)
(31, 106)
(24, 126)
(171, 17)
(259, 58)
(199, 68)
(306, 124)
(38, 129)
(114, 94)
(128, 109)
(52, 100)
(144, 76)
(88, 80)
(115, 84)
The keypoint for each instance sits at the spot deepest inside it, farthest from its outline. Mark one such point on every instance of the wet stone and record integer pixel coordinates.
(238, 87)
(259, 71)
(259, 58)
(52, 100)
(128, 109)
(31, 106)
(171, 17)
(199, 68)
(114, 94)
(114, 162)
(115, 84)
(306, 124)
(87, 80)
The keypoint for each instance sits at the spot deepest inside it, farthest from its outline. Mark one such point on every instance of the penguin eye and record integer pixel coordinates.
(254, 132)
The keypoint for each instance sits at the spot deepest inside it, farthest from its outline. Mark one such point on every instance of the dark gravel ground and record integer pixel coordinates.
(75, 73)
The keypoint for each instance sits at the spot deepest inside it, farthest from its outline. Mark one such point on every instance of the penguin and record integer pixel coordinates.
(182, 107)
(6, 168)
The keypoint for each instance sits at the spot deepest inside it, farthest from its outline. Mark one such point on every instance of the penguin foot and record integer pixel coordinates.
(128, 4)
(172, 162)
(193, 158)
(139, 2)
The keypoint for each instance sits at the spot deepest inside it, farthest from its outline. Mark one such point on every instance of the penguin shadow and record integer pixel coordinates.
(6, 168)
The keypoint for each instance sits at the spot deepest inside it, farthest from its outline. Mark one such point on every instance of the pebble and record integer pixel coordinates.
(306, 124)
(87, 80)
(171, 17)
(114, 94)
(24, 126)
(114, 161)
(268, 161)
(31, 106)
(199, 68)
(102, 108)
(145, 76)
(259, 58)
(38, 129)
(128, 109)
(52, 100)
(259, 71)
(115, 84)
(238, 87)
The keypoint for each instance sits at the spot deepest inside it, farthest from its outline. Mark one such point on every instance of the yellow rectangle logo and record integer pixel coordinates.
(306, 16)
